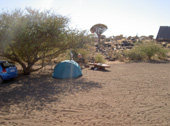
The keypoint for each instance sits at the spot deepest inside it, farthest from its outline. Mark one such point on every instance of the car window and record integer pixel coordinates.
(7, 65)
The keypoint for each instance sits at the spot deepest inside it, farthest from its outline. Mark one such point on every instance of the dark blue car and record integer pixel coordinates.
(7, 71)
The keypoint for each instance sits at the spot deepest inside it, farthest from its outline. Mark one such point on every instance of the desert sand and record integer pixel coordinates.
(127, 94)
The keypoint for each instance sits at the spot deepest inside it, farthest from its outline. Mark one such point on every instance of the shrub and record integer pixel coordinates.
(68, 55)
(85, 54)
(75, 52)
(99, 58)
(136, 54)
(120, 56)
(147, 51)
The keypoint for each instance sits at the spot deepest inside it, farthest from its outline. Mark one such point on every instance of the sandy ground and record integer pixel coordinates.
(127, 94)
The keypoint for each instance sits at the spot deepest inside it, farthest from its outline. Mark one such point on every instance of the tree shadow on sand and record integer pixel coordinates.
(34, 92)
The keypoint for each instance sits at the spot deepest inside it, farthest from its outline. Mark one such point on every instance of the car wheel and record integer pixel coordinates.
(1, 80)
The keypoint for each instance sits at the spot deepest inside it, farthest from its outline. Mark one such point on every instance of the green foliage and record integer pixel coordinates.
(150, 36)
(98, 29)
(82, 46)
(99, 58)
(118, 37)
(85, 54)
(30, 36)
(147, 51)
(81, 39)
(136, 55)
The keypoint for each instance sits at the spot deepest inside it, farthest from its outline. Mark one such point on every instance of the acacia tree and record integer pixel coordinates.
(98, 29)
(31, 36)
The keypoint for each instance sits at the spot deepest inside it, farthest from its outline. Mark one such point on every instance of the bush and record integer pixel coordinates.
(85, 55)
(136, 54)
(99, 58)
(75, 52)
(147, 51)
(68, 55)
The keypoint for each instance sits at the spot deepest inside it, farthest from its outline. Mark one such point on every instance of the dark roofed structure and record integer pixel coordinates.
(163, 34)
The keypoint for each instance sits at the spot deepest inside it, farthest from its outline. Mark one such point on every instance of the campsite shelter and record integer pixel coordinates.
(67, 69)
(163, 34)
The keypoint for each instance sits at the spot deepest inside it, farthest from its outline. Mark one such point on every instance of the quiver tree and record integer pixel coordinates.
(31, 36)
(98, 29)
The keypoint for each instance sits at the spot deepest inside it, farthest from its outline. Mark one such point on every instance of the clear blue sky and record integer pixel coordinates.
(127, 17)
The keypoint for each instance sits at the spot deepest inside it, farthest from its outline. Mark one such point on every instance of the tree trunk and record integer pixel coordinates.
(150, 58)
(26, 69)
(99, 38)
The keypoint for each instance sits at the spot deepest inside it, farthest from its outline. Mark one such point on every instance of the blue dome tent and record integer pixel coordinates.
(67, 69)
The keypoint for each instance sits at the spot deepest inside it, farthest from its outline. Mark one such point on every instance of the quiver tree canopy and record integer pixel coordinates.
(98, 29)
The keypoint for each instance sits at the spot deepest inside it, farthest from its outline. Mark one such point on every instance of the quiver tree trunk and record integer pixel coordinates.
(98, 38)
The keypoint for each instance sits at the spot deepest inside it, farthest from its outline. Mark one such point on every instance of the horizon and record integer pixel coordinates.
(127, 18)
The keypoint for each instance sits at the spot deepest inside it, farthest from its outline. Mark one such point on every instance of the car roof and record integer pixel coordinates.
(2, 61)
